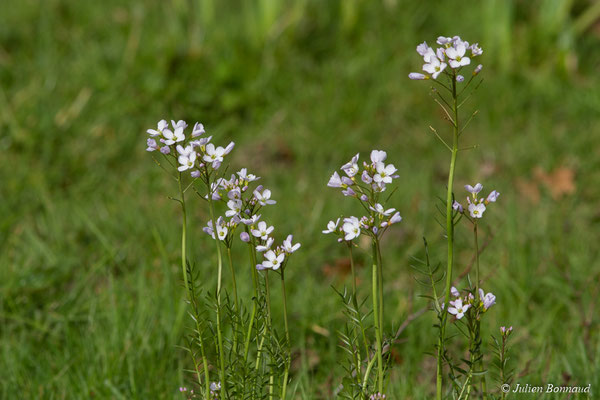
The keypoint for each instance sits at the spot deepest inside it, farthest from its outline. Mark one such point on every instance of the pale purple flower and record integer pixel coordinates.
(416, 76)
(244, 237)
(364, 197)
(179, 124)
(332, 226)
(366, 178)
(229, 147)
(378, 156)
(262, 231)
(379, 209)
(165, 150)
(151, 143)
(475, 50)
(261, 248)
(263, 198)
(457, 206)
(288, 247)
(477, 69)
(422, 49)
(351, 167)
(351, 228)
(454, 292)
(201, 142)
(273, 261)
(460, 78)
(458, 308)
(476, 210)
(488, 299)
(195, 173)
(198, 130)
(474, 190)
(492, 197)
(395, 218)
(252, 220)
(335, 180)
(215, 386)
(443, 40)
(245, 176)
(349, 192)
(434, 67)
(162, 125)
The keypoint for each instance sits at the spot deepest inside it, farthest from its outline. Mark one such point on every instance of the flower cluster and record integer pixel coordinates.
(194, 153)
(273, 258)
(242, 204)
(460, 305)
(476, 206)
(377, 396)
(453, 52)
(374, 178)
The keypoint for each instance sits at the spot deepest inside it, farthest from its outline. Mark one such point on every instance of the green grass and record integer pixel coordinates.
(91, 303)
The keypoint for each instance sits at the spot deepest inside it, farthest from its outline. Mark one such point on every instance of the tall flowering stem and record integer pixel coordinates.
(219, 281)
(287, 336)
(377, 316)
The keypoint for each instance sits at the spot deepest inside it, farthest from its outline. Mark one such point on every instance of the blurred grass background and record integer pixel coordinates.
(91, 304)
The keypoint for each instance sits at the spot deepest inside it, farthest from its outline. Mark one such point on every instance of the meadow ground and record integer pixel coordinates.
(91, 304)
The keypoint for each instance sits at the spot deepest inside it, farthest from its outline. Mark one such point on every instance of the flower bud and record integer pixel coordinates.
(245, 237)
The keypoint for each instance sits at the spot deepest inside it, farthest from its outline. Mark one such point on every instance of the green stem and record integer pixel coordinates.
(187, 286)
(269, 329)
(287, 337)
(235, 296)
(376, 318)
(355, 303)
(252, 251)
(450, 236)
(219, 281)
(483, 384)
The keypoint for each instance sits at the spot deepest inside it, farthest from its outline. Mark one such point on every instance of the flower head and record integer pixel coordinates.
(458, 308)
(332, 226)
(351, 228)
(288, 247)
(272, 260)
(476, 210)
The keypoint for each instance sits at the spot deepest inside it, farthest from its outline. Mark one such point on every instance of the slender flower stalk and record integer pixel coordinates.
(287, 336)
(235, 295)
(377, 318)
(355, 303)
(219, 281)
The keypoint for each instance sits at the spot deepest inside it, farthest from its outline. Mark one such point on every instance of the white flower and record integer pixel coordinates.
(215, 386)
(252, 220)
(261, 248)
(162, 124)
(378, 156)
(415, 76)
(214, 155)
(492, 197)
(488, 300)
(458, 308)
(235, 207)
(395, 218)
(422, 48)
(380, 210)
(474, 190)
(443, 40)
(476, 210)
(171, 137)
(264, 197)
(221, 232)
(384, 173)
(351, 228)
(456, 54)
(454, 292)
(187, 157)
(229, 147)
(198, 130)
(273, 261)
(245, 176)
(475, 50)
(331, 226)
(288, 247)
(335, 180)
(351, 167)
(434, 66)
(262, 230)
(179, 124)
